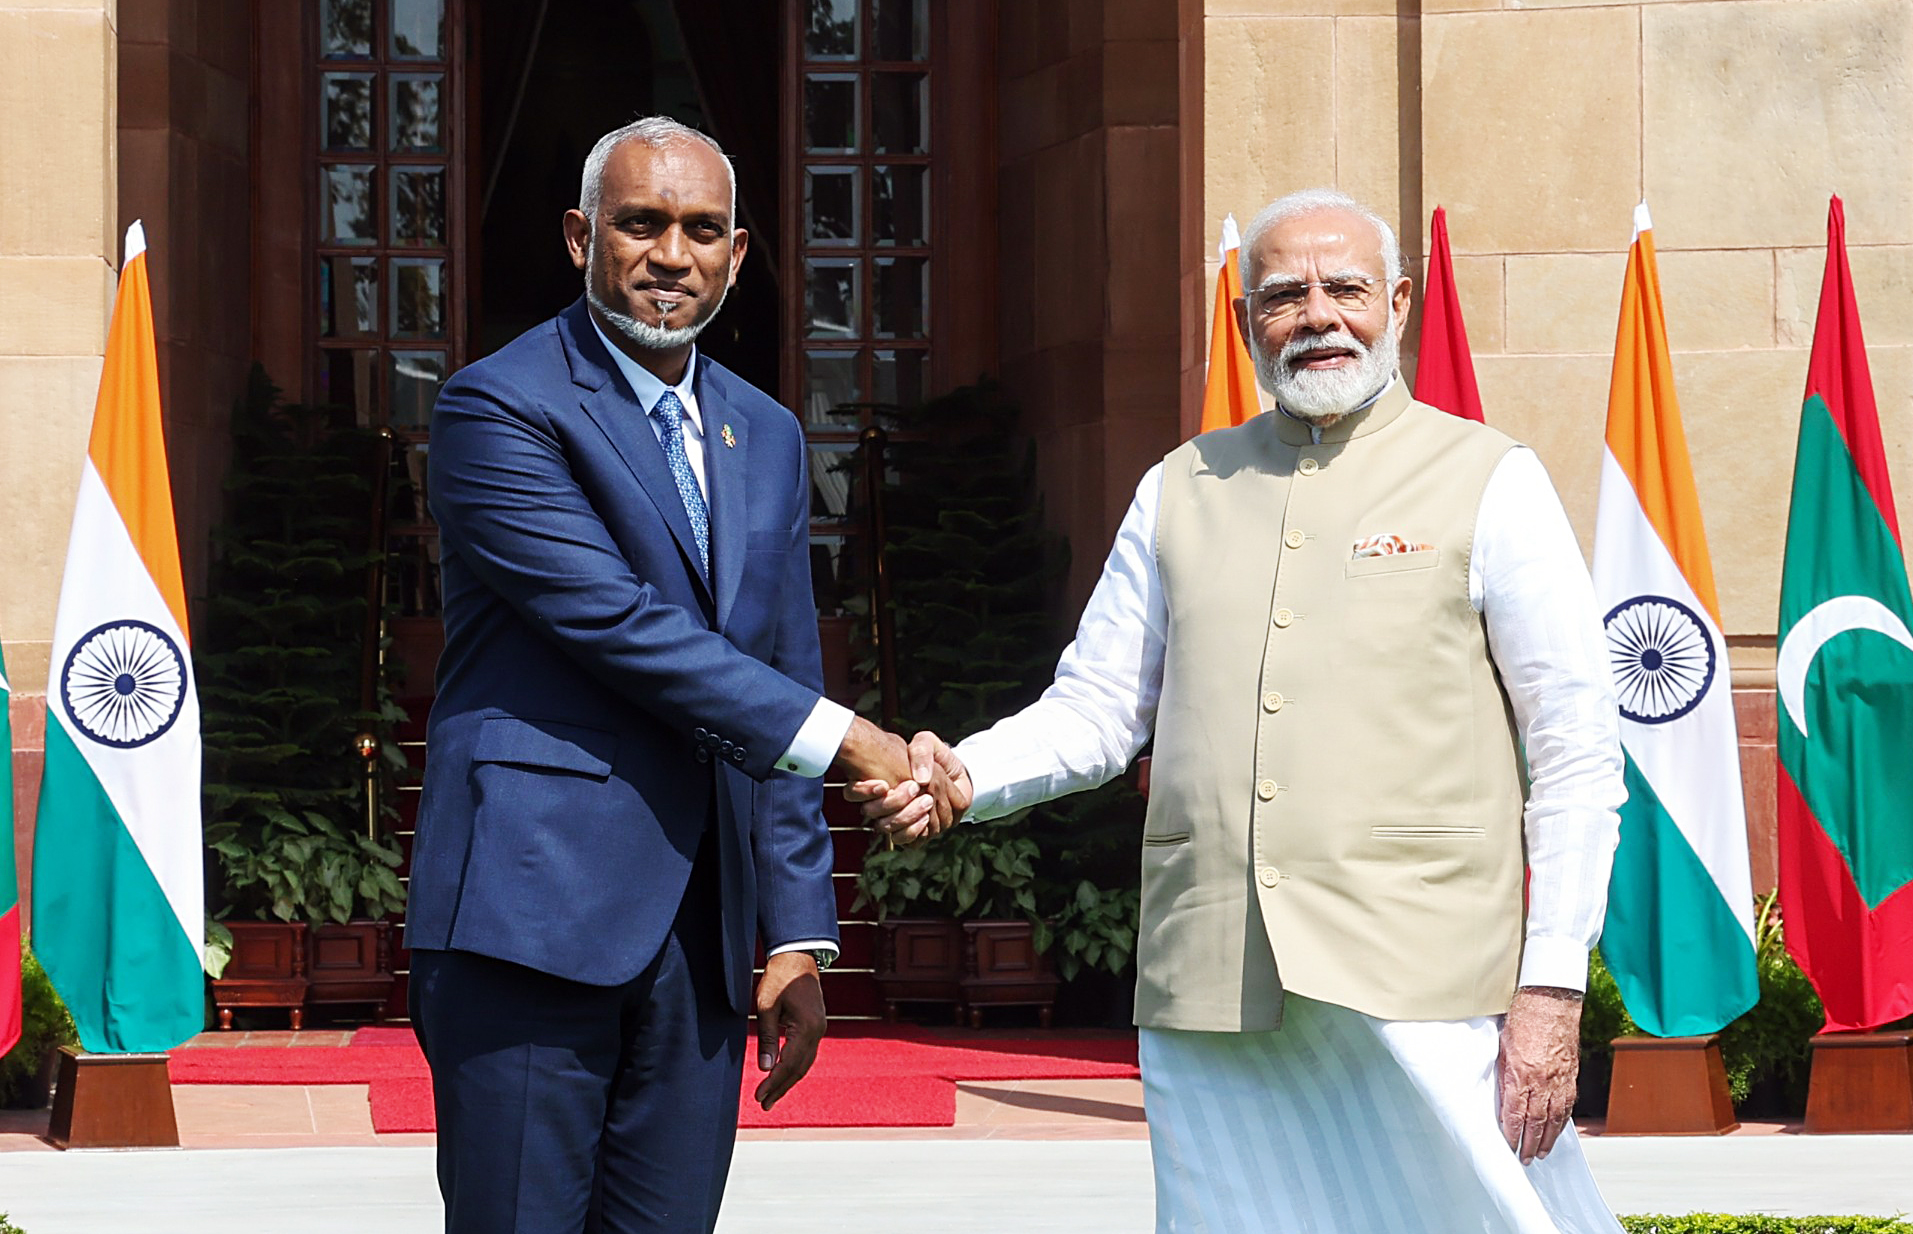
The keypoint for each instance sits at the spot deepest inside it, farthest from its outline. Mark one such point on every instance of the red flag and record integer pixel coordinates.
(1445, 372)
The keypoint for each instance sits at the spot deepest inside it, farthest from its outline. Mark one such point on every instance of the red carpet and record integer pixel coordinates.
(868, 1076)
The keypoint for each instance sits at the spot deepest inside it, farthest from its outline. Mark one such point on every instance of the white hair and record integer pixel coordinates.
(656, 132)
(1316, 201)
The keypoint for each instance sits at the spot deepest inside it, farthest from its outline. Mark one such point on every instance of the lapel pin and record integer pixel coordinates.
(730, 438)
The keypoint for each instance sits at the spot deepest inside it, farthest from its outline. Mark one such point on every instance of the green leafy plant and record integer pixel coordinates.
(7, 1227)
(1729, 1223)
(45, 1026)
(280, 665)
(982, 872)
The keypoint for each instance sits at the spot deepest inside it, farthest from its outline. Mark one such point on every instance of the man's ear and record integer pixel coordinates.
(1402, 296)
(1241, 306)
(740, 243)
(577, 237)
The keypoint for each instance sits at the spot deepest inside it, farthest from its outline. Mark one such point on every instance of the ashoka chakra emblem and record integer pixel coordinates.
(124, 683)
(1662, 657)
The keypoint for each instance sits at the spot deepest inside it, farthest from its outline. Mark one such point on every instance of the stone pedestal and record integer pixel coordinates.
(1861, 1083)
(112, 1101)
(1669, 1086)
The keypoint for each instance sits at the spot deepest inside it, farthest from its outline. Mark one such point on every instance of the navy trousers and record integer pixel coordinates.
(574, 1109)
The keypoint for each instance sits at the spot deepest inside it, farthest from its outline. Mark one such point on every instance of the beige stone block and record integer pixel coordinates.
(1564, 303)
(46, 412)
(1531, 126)
(1881, 277)
(1718, 300)
(1754, 111)
(1369, 102)
(55, 306)
(27, 672)
(1268, 114)
(1557, 405)
(57, 103)
(1298, 8)
(1481, 286)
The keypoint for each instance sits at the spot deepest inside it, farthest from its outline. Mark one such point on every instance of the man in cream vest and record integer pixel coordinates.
(1344, 623)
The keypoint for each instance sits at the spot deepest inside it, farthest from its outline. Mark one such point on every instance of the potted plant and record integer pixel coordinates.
(304, 877)
(26, 1071)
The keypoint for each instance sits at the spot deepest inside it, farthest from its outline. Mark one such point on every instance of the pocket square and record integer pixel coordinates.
(1386, 546)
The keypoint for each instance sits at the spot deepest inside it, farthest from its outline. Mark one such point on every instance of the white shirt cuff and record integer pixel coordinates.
(815, 746)
(1560, 962)
(809, 944)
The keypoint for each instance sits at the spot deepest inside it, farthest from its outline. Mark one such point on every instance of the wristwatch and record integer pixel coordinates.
(824, 957)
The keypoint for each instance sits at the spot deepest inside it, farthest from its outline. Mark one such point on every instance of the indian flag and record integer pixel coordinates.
(118, 903)
(10, 1011)
(1679, 936)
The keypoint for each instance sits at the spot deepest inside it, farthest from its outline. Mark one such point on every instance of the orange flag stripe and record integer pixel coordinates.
(128, 446)
(1644, 424)
(1229, 395)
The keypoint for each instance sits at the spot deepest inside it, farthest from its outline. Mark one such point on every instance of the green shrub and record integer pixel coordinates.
(7, 1227)
(1727, 1223)
(45, 1025)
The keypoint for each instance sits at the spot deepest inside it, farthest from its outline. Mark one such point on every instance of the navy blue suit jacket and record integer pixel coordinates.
(599, 703)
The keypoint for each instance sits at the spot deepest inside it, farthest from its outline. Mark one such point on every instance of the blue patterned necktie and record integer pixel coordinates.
(670, 414)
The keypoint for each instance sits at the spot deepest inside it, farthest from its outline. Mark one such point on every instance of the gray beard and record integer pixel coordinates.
(646, 336)
(1327, 395)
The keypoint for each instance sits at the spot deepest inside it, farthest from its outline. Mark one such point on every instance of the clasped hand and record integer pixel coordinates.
(909, 793)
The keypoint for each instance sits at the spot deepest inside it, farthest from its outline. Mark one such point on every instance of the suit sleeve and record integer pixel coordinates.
(790, 842)
(507, 503)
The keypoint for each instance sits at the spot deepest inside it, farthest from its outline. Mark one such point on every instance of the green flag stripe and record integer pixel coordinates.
(1676, 949)
(102, 926)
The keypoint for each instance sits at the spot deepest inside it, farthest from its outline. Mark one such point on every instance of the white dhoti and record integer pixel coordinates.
(1344, 1124)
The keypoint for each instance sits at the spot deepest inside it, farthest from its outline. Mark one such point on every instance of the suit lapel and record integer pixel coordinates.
(727, 472)
(614, 409)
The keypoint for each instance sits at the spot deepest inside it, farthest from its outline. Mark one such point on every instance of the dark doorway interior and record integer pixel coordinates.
(557, 74)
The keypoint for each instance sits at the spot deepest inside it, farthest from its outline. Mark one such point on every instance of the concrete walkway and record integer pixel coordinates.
(878, 1184)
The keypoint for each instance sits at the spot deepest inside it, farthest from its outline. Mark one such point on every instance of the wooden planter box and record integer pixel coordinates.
(1003, 968)
(350, 963)
(268, 969)
(1861, 1083)
(1669, 1086)
(919, 960)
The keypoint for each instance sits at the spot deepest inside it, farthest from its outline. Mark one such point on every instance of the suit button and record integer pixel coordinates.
(1284, 618)
(1294, 539)
(1272, 701)
(1268, 876)
(1308, 467)
(737, 754)
(703, 755)
(701, 733)
(1266, 790)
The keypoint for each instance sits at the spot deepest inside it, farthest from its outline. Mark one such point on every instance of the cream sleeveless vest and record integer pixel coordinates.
(1336, 791)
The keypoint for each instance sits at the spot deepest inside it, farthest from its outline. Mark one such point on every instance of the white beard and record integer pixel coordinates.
(646, 336)
(1318, 395)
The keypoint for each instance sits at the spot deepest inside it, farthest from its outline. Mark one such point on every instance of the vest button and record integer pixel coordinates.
(1266, 790)
(1283, 618)
(1294, 539)
(1308, 467)
(1269, 876)
(1272, 701)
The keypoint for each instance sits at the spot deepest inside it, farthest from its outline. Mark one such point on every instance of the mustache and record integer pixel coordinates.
(1334, 340)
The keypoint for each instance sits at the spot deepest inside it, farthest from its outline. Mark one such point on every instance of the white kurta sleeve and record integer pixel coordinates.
(1102, 706)
(1528, 580)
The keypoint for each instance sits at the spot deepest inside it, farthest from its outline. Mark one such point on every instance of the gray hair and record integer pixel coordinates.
(656, 132)
(1316, 201)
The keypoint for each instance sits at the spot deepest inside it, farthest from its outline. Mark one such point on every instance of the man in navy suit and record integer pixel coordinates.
(622, 793)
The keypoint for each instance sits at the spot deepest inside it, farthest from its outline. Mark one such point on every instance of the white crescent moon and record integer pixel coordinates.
(1810, 633)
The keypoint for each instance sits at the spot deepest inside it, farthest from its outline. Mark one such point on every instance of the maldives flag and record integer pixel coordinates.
(118, 904)
(9, 880)
(1444, 369)
(1845, 682)
(1229, 393)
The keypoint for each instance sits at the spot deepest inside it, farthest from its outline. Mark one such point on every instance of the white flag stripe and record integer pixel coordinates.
(152, 786)
(1692, 763)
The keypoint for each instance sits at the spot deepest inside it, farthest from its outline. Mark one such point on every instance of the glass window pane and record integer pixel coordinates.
(345, 111)
(831, 298)
(833, 467)
(418, 30)
(830, 113)
(903, 297)
(413, 381)
(345, 29)
(897, 377)
(903, 30)
(899, 112)
(414, 116)
(830, 29)
(411, 576)
(830, 583)
(348, 297)
(350, 379)
(831, 389)
(346, 214)
(405, 485)
(418, 205)
(900, 204)
(418, 297)
(831, 205)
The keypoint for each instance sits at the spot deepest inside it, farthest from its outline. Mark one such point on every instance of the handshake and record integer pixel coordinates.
(908, 792)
